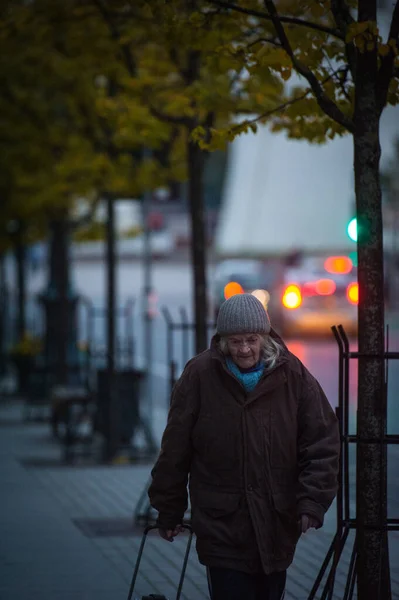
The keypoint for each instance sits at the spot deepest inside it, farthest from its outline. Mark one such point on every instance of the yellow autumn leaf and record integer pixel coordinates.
(198, 133)
(356, 29)
(384, 49)
(286, 74)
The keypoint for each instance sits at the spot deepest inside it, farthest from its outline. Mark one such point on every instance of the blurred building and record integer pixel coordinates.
(283, 196)
(173, 207)
(286, 195)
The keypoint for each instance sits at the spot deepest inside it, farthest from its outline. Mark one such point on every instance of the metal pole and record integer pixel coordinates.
(111, 442)
(129, 333)
(3, 302)
(185, 336)
(147, 291)
(20, 257)
(171, 327)
(345, 447)
(110, 287)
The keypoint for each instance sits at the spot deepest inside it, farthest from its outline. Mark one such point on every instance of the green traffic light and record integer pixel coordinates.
(353, 257)
(352, 229)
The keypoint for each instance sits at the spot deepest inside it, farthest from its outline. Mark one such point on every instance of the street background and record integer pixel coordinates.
(67, 531)
(155, 158)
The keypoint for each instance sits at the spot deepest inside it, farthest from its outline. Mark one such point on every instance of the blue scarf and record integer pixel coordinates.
(250, 378)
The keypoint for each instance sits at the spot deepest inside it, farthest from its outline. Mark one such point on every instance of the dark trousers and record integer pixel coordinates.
(226, 584)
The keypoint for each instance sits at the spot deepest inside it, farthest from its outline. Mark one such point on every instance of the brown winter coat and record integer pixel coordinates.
(256, 461)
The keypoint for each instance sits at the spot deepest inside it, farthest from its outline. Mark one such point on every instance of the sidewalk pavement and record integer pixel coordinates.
(48, 550)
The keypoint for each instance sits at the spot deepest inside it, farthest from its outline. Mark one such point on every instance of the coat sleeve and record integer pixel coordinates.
(318, 450)
(168, 488)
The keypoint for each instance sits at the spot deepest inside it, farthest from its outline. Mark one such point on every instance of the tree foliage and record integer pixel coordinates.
(87, 85)
(64, 135)
(311, 46)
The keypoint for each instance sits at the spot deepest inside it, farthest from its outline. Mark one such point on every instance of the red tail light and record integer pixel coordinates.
(338, 264)
(325, 287)
(321, 287)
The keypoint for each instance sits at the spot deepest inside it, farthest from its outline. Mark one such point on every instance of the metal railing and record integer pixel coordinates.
(184, 328)
(345, 521)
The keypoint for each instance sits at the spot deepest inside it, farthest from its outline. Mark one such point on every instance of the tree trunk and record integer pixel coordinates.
(20, 259)
(371, 482)
(60, 306)
(196, 161)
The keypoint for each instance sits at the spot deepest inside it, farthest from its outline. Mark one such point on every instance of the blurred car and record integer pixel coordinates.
(314, 295)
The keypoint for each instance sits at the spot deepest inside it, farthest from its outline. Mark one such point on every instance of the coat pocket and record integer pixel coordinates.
(221, 517)
(217, 504)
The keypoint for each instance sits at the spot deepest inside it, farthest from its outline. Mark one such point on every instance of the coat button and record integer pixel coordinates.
(249, 487)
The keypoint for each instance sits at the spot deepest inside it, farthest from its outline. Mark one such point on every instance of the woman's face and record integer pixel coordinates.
(245, 349)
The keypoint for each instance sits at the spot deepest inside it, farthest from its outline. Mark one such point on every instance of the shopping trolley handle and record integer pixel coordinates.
(140, 553)
(184, 526)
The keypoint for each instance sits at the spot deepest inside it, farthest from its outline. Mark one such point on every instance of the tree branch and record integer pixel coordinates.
(284, 105)
(325, 103)
(173, 54)
(158, 114)
(106, 144)
(341, 77)
(271, 112)
(387, 69)
(115, 34)
(265, 40)
(343, 19)
(208, 124)
(88, 129)
(88, 217)
(293, 20)
(163, 153)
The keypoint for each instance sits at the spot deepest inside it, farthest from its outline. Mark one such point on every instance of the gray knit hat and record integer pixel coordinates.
(242, 313)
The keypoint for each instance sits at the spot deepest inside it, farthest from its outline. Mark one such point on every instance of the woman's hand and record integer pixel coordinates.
(308, 522)
(170, 534)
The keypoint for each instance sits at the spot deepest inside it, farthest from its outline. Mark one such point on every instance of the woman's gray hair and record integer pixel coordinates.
(270, 350)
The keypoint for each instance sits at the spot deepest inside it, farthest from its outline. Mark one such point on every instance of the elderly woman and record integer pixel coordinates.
(252, 430)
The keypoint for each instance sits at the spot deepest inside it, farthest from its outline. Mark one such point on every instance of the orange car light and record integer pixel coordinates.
(325, 287)
(292, 297)
(232, 289)
(338, 264)
(352, 293)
